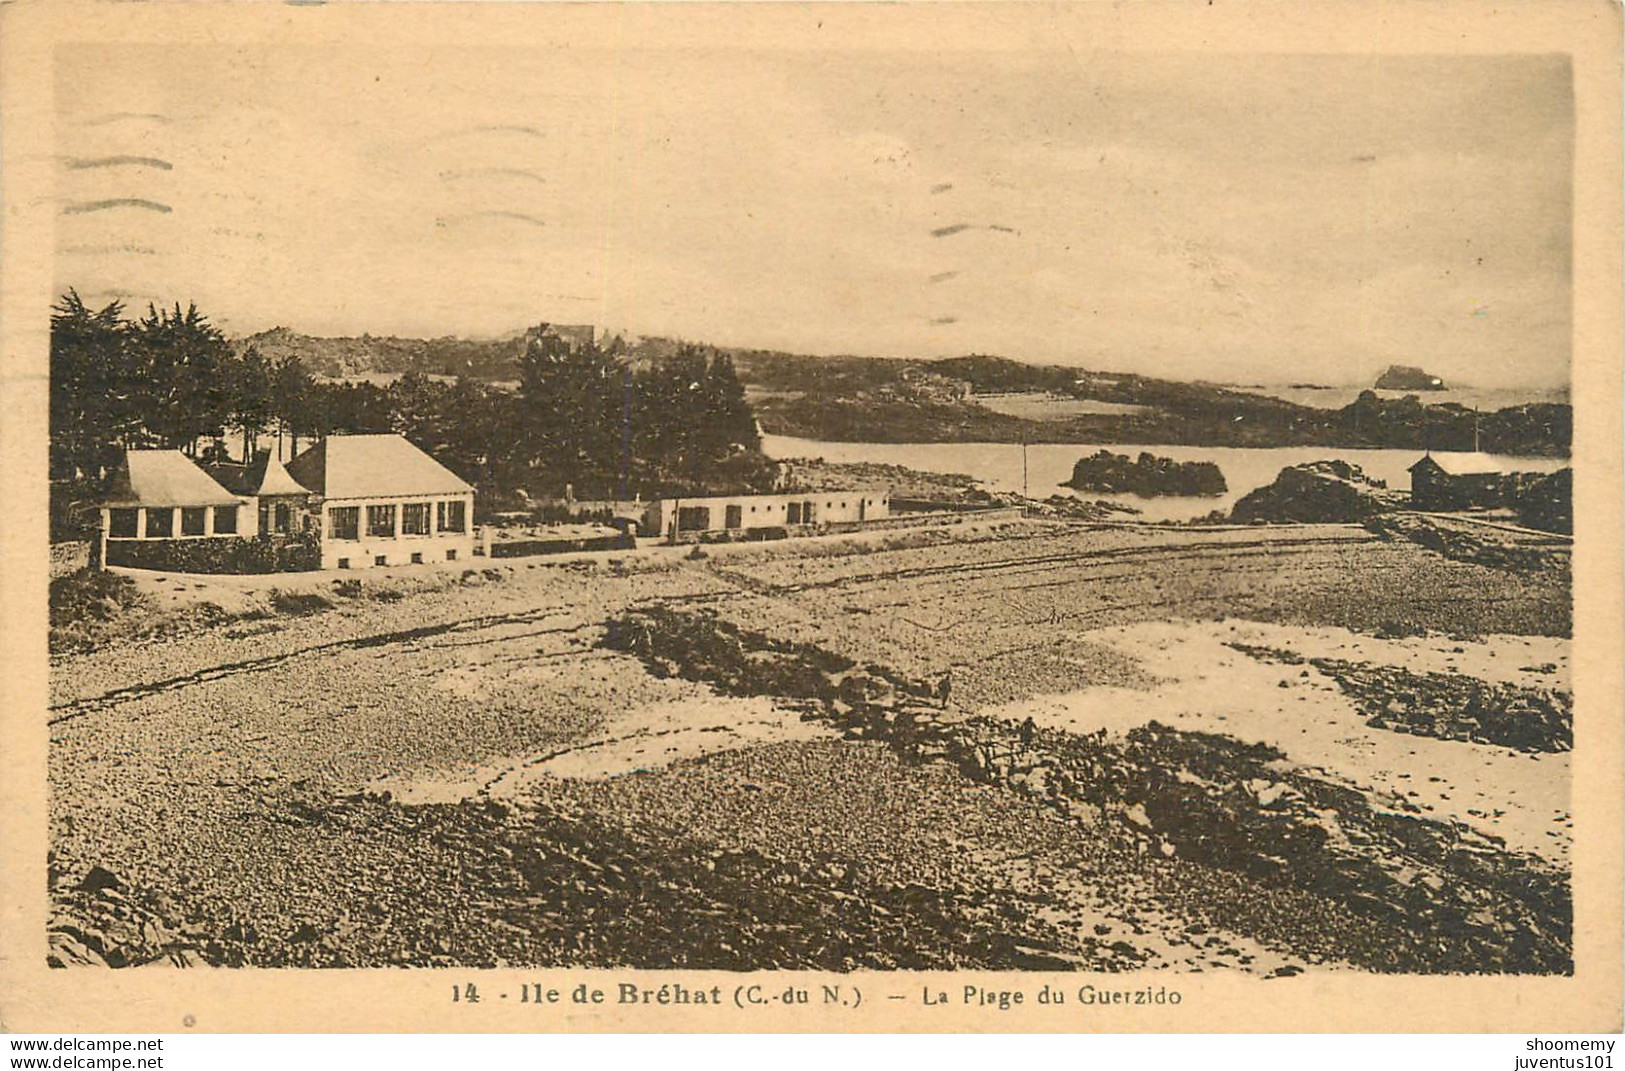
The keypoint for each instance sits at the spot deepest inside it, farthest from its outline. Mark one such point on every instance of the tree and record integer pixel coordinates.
(573, 404)
(94, 386)
(691, 418)
(249, 396)
(292, 389)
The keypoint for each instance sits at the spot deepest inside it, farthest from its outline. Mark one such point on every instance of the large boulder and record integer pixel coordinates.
(1320, 491)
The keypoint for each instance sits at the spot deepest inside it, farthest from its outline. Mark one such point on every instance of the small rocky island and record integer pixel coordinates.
(1147, 476)
(1407, 377)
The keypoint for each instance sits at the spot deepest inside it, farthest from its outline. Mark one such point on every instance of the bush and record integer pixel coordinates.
(519, 548)
(298, 602)
(73, 510)
(1549, 503)
(89, 606)
(91, 595)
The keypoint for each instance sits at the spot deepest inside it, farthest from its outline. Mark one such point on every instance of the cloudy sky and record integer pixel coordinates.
(1245, 218)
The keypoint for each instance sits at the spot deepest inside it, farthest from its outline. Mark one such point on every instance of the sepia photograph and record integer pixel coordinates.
(799, 501)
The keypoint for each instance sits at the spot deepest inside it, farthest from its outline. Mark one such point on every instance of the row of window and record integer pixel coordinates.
(383, 559)
(344, 522)
(691, 518)
(126, 523)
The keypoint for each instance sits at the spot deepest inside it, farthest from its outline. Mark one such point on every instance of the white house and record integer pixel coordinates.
(673, 517)
(382, 501)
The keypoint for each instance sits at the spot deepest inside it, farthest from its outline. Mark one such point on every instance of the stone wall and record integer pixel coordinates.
(70, 557)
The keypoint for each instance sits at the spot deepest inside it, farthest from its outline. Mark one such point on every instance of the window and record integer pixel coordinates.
(344, 563)
(693, 518)
(417, 557)
(192, 520)
(121, 523)
(451, 555)
(344, 522)
(160, 523)
(381, 522)
(451, 516)
(415, 518)
(225, 520)
(380, 559)
(282, 516)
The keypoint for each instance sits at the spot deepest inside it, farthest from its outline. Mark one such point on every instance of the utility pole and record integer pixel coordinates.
(1024, 463)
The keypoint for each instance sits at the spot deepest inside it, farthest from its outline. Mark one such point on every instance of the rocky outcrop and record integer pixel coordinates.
(1408, 377)
(1318, 492)
(1447, 706)
(1065, 507)
(1148, 475)
(1478, 545)
(542, 886)
(99, 922)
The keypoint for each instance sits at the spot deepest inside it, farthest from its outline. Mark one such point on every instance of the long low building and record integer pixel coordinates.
(1458, 481)
(675, 518)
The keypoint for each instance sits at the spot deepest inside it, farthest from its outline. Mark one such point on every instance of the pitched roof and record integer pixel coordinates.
(372, 466)
(265, 475)
(163, 478)
(1465, 463)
